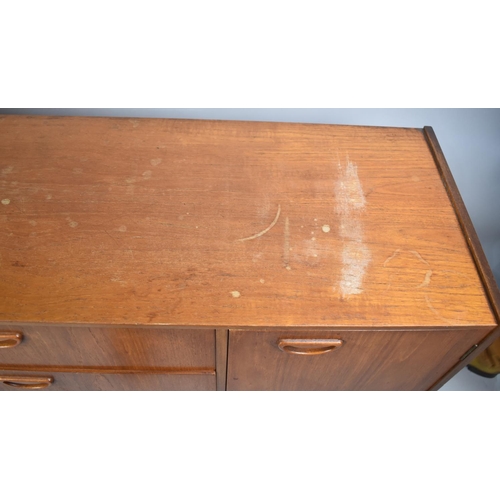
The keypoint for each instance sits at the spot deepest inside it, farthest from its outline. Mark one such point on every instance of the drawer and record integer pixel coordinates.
(63, 381)
(344, 360)
(110, 347)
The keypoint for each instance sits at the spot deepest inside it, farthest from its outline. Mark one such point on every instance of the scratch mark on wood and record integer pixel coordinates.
(395, 254)
(433, 309)
(428, 273)
(414, 252)
(286, 245)
(427, 279)
(262, 233)
(116, 241)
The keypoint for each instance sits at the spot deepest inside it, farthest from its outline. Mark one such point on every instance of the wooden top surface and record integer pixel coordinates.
(184, 222)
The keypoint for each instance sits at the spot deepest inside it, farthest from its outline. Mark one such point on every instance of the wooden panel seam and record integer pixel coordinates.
(109, 371)
(221, 353)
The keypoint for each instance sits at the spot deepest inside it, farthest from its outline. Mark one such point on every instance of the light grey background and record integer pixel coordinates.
(470, 139)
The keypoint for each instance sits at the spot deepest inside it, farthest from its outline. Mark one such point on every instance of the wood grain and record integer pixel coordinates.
(108, 382)
(112, 347)
(367, 360)
(220, 224)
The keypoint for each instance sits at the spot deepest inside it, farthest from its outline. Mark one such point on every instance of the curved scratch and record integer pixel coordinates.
(397, 252)
(262, 233)
(456, 322)
(427, 279)
(414, 252)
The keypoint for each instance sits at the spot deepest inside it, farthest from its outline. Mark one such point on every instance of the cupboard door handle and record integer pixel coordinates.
(10, 339)
(27, 383)
(309, 347)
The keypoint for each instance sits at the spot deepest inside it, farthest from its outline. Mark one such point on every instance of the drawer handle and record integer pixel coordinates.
(309, 347)
(27, 383)
(10, 339)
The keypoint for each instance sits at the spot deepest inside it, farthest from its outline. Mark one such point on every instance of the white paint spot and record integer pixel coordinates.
(257, 256)
(122, 229)
(355, 260)
(6, 201)
(262, 281)
(236, 294)
(326, 228)
(350, 202)
(155, 162)
(147, 174)
(288, 268)
(313, 239)
(349, 192)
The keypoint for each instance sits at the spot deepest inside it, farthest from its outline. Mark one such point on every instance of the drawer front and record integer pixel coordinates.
(111, 347)
(62, 381)
(343, 360)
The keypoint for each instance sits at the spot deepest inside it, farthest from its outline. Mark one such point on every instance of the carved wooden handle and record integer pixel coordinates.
(10, 339)
(309, 347)
(27, 383)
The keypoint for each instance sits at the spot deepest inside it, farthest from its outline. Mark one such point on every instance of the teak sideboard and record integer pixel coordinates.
(155, 254)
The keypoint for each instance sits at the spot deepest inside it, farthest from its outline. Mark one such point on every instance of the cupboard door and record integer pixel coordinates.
(61, 381)
(344, 360)
(124, 347)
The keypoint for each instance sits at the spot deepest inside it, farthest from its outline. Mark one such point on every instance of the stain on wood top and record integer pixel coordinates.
(186, 222)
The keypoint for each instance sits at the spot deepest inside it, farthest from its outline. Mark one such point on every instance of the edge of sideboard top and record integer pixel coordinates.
(475, 248)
